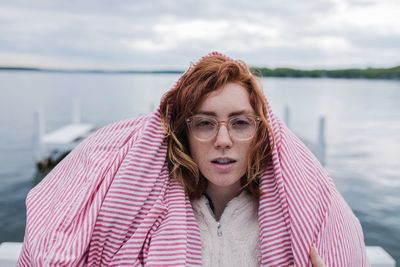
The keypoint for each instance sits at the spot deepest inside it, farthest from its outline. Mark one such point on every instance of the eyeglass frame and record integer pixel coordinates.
(256, 118)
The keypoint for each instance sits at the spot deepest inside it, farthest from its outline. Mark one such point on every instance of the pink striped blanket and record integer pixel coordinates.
(111, 202)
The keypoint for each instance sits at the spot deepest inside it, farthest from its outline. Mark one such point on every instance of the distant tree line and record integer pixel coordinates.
(369, 73)
(32, 69)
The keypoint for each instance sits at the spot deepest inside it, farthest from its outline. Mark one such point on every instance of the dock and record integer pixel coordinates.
(52, 147)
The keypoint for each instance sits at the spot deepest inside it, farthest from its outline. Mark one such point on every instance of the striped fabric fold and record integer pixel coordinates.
(311, 209)
(111, 202)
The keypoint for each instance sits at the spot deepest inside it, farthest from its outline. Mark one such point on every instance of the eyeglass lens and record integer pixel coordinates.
(240, 127)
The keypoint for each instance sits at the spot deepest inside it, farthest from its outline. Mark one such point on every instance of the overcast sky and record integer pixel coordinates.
(132, 34)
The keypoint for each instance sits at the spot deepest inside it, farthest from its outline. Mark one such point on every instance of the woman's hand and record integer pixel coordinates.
(315, 258)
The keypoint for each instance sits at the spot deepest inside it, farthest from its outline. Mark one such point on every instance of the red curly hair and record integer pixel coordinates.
(210, 74)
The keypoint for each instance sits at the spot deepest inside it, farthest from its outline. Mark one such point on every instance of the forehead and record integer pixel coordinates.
(231, 98)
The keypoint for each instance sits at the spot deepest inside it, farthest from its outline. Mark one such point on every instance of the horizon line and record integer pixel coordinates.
(161, 71)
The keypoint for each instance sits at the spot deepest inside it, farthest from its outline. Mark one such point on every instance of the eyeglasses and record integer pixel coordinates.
(240, 127)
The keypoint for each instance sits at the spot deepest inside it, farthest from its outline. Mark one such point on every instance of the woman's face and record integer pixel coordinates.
(223, 160)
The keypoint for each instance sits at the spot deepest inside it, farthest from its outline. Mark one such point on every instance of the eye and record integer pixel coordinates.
(240, 122)
(204, 123)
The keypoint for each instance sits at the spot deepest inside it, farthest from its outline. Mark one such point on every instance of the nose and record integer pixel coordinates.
(223, 140)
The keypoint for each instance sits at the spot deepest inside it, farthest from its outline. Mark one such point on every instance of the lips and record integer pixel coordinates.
(223, 164)
(223, 161)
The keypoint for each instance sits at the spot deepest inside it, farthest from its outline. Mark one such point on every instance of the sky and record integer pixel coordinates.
(169, 34)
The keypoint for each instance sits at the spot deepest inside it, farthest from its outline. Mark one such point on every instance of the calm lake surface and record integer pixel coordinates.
(362, 134)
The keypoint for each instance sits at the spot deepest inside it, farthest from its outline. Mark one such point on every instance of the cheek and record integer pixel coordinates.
(246, 148)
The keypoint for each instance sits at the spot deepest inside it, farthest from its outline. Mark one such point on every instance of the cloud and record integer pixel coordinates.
(161, 33)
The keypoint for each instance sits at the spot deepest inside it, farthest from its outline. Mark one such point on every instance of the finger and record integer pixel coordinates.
(315, 258)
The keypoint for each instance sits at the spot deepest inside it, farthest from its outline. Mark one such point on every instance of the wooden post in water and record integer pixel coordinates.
(321, 140)
(318, 147)
(40, 127)
(287, 116)
(76, 113)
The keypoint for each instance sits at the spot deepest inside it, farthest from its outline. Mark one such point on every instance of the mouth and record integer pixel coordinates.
(223, 161)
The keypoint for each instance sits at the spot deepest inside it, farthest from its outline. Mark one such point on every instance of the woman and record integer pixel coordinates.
(211, 178)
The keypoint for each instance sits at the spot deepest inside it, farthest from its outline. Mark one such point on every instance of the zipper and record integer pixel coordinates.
(209, 206)
(219, 231)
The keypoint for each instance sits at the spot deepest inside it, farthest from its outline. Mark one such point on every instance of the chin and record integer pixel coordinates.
(224, 182)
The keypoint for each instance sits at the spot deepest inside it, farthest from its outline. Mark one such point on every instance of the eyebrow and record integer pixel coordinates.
(211, 113)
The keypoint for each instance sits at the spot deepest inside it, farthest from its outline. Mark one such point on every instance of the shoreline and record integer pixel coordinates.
(392, 73)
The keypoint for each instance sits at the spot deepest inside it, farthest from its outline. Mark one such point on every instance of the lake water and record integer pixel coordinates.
(362, 134)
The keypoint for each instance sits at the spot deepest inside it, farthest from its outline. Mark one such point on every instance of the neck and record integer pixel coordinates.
(220, 196)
